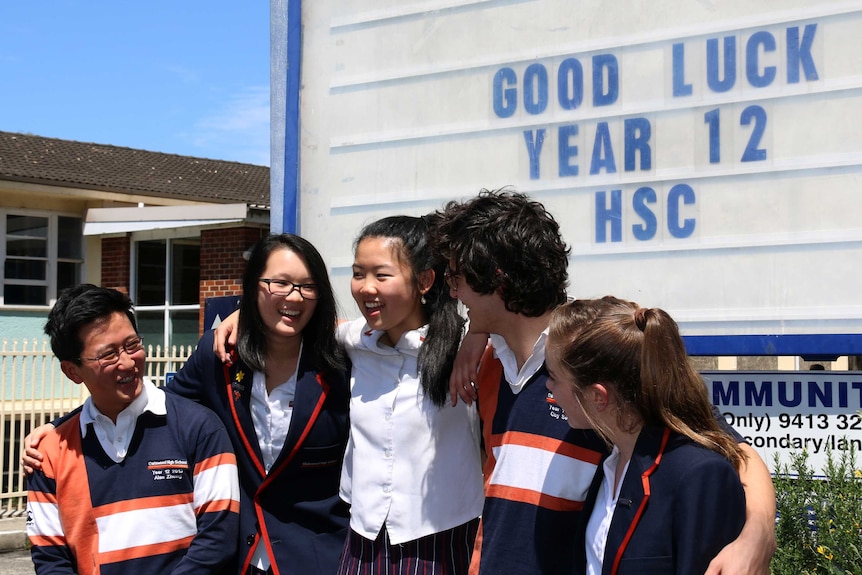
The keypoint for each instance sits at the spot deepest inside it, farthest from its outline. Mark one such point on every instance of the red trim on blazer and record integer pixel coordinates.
(645, 480)
(231, 401)
(275, 472)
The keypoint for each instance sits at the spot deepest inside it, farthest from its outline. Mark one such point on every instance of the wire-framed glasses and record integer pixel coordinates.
(110, 357)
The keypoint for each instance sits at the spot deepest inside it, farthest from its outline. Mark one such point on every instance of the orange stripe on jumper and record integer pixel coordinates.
(140, 551)
(215, 461)
(535, 498)
(546, 444)
(144, 503)
(41, 497)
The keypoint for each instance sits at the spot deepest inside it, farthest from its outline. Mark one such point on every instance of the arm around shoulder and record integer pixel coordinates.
(751, 552)
(48, 547)
(711, 511)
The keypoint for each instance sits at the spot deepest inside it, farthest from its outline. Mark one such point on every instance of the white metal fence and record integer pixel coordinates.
(33, 390)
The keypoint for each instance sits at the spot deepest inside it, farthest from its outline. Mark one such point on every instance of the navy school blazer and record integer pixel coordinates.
(294, 509)
(695, 506)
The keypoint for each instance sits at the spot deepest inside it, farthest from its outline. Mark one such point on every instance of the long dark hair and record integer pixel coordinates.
(319, 334)
(445, 325)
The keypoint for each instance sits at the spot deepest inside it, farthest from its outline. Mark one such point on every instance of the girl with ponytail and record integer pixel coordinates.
(668, 498)
(412, 468)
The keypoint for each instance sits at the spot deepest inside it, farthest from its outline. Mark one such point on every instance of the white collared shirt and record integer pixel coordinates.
(115, 438)
(410, 464)
(516, 378)
(600, 520)
(271, 413)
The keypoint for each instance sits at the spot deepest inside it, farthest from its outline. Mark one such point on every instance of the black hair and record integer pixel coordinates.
(445, 325)
(318, 336)
(80, 306)
(502, 240)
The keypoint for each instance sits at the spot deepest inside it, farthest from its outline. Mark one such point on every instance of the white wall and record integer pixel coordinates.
(397, 116)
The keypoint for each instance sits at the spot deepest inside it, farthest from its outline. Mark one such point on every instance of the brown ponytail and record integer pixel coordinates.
(639, 354)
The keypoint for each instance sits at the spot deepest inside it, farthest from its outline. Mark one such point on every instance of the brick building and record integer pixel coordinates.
(168, 230)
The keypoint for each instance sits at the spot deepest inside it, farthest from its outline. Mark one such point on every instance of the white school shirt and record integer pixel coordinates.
(516, 378)
(116, 438)
(271, 414)
(599, 523)
(409, 464)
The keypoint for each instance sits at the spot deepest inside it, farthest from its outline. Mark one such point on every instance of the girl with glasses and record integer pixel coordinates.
(283, 399)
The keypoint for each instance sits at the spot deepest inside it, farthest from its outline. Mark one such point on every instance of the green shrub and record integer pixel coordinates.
(818, 523)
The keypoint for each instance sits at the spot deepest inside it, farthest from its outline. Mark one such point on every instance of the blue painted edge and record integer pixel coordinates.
(277, 89)
(811, 346)
(291, 117)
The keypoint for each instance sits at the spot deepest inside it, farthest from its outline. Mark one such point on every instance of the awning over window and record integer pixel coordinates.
(102, 221)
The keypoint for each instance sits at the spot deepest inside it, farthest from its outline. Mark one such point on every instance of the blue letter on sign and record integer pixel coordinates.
(725, 396)
(680, 88)
(684, 192)
(534, 149)
(570, 84)
(505, 94)
(638, 133)
(752, 64)
(712, 73)
(646, 230)
(612, 215)
(600, 63)
(800, 54)
(535, 89)
(567, 150)
(601, 144)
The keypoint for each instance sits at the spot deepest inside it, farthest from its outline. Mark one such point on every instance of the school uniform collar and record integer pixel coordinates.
(409, 343)
(150, 399)
(518, 379)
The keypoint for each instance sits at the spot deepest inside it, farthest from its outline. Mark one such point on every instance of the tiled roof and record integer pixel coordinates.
(34, 159)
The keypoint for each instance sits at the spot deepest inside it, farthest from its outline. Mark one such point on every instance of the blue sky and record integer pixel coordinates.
(187, 77)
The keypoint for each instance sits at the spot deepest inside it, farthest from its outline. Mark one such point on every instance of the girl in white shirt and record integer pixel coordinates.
(412, 469)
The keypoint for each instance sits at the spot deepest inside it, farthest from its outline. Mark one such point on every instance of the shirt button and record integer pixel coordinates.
(387, 489)
(249, 540)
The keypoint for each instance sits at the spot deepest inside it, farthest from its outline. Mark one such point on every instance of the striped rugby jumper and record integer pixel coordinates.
(537, 475)
(172, 505)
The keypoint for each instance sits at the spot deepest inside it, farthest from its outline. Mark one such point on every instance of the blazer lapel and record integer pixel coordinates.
(632, 492)
(238, 379)
(311, 391)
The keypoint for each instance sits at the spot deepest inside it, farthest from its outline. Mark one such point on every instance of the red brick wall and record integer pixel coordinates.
(222, 263)
(116, 263)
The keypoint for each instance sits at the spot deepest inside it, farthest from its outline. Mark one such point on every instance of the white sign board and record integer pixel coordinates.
(781, 412)
(703, 157)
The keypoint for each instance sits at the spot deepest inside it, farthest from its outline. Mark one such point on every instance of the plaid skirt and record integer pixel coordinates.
(444, 553)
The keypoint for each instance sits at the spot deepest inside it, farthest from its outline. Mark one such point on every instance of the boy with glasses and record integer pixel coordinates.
(137, 481)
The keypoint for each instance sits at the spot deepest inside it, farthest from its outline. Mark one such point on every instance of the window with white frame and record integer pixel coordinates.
(43, 255)
(166, 289)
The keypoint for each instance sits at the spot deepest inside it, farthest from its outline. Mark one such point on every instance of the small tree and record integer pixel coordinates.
(818, 524)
